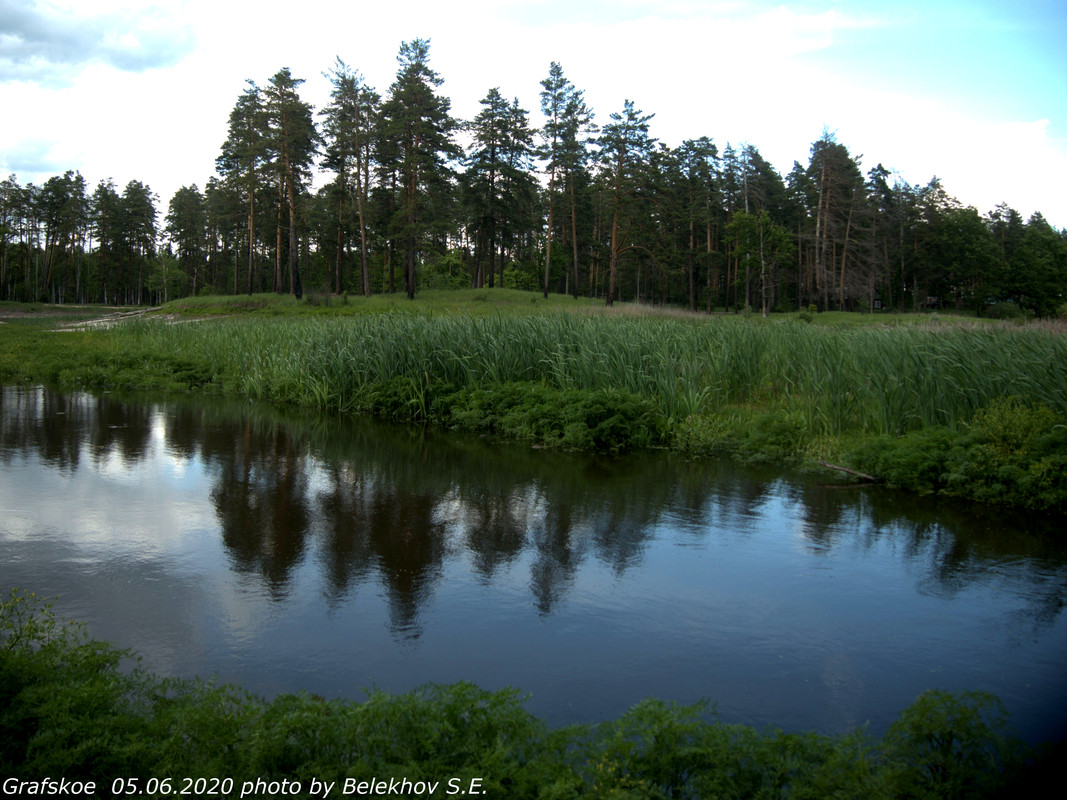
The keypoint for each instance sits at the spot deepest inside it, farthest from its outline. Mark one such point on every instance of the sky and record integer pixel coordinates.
(973, 92)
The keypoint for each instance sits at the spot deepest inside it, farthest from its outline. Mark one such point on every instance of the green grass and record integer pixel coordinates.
(852, 319)
(574, 375)
(427, 301)
(70, 708)
(480, 301)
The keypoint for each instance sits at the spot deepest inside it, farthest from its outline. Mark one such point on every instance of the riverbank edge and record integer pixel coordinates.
(1015, 454)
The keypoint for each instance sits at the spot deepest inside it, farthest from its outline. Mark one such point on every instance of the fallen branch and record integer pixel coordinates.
(863, 475)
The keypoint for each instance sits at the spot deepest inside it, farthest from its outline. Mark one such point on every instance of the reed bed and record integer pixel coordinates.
(870, 380)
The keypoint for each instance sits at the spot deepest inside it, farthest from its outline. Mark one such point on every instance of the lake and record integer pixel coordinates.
(309, 553)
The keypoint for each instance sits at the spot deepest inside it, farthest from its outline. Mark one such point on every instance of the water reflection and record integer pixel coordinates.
(396, 503)
(64, 429)
(691, 557)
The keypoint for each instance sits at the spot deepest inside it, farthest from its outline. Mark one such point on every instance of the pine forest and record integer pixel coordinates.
(559, 199)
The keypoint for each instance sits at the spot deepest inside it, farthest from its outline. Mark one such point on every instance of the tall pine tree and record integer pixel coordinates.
(243, 159)
(625, 152)
(418, 128)
(292, 142)
(350, 126)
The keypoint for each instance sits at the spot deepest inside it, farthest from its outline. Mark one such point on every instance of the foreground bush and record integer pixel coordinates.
(68, 709)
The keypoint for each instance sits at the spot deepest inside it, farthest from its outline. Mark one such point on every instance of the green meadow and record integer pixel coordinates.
(954, 405)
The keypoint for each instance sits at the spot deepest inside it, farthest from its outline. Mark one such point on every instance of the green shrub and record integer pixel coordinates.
(445, 272)
(1005, 310)
(571, 419)
(915, 461)
(522, 277)
(1011, 453)
(63, 708)
(751, 436)
(405, 398)
(1013, 429)
(951, 746)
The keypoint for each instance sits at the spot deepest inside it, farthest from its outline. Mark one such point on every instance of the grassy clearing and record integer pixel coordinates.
(427, 302)
(573, 375)
(67, 709)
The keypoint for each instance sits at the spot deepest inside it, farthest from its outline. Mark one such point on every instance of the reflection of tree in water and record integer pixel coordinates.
(954, 548)
(49, 424)
(397, 504)
(59, 426)
(400, 504)
(695, 485)
(625, 525)
(493, 528)
(464, 497)
(200, 428)
(122, 429)
(347, 555)
(409, 550)
(1046, 603)
(734, 498)
(560, 545)
(489, 503)
(260, 499)
(821, 510)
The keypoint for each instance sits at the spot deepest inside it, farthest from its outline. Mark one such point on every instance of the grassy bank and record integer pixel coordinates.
(67, 710)
(954, 406)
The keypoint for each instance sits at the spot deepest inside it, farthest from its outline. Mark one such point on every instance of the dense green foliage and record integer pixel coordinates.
(69, 708)
(1010, 453)
(605, 420)
(616, 215)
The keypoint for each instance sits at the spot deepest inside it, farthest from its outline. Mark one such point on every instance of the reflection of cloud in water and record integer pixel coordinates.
(146, 515)
(845, 688)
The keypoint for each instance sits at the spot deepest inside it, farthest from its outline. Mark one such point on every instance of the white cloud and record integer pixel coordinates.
(981, 160)
(986, 163)
(763, 74)
(47, 44)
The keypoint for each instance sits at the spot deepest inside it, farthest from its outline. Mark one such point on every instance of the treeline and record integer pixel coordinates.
(417, 198)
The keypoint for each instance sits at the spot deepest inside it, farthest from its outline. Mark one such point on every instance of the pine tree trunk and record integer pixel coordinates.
(574, 238)
(613, 264)
(340, 239)
(251, 236)
(294, 266)
(364, 269)
(690, 265)
(548, 237)
(844, 254)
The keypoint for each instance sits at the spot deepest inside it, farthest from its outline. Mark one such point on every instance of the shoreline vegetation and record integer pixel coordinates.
(80, 710)
(954, 405)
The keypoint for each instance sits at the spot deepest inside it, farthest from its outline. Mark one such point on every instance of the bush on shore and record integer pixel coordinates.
(1011, 453)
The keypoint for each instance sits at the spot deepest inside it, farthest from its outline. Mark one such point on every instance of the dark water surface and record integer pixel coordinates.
(328, 556)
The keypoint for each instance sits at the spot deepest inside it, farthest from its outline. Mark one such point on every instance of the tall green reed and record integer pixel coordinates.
(874, 380)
